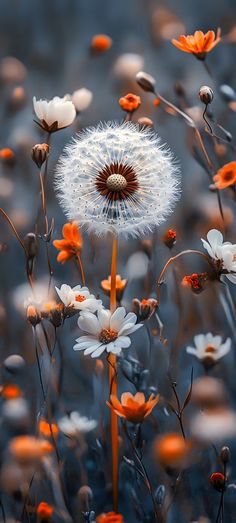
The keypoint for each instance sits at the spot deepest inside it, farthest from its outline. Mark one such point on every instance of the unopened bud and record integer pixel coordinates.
(33, 316)
(225, 454)
(144, 120)
(169, 238)
(217, 480)
(146, 81)
(31, 245)
(39, 153)
(206, 94)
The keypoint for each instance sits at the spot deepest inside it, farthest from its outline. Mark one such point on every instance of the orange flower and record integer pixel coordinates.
(133, 408)
(44, 511)
(226, 176)
(26, 449)
(7, 156)
(198, 44)
(110, 517)
(171, 450)
(48, 429)
(101, 43)
(120, 286)
(156, 102)
(11, 392)
(71, 244)
(130, 102)
(169, 238)
(195, 281)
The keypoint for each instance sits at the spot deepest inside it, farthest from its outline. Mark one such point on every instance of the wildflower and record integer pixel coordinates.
(217, 480)
(226, 176)
(120, 286)
(171, 450)
(47, 429)
(44, 511)
(130, 102)
(106, 182)
(52, 312)
(110, 517)
(82, 99)
(133, 408)
(144, 309)
(71, 243)
(7, 156)
(169, 238)
(206, 94)
(146, 81)
(10, 392)
(40, 153)
(209, 349)
(195, 281)
(198, 44)
(224, 253)
(73, 424)
(101, 43)
(214, 424)
(56, 114)
(106, 332)
(33, 316)
(26, 449)
(225, 454)
(78, 298)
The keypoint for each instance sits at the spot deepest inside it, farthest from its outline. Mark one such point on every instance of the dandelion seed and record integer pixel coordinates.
(117, 178)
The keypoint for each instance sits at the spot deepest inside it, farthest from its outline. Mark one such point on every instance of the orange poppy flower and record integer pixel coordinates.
(133, 408)
(110, 517)
(130, 102)
(11, 392)
(27, 449)
(101, 43)
(70, 244)
(120, 286)
(44, 511)
(198, 44)
(171, 450)
(226, 176)
(48, 429)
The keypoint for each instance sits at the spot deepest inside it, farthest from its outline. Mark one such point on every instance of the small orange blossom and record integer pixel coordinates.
(110, 517)
(120, 286)
(198, 44)
(225, 176)
(171, 450)
(48, 429)
(133, 408)
(11, 392)
(101, 43)
(70, 244)
(130, 102)
(44, 511)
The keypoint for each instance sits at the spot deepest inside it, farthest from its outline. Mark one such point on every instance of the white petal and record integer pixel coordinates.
(93, 348)
(98, 352)
(208, 248)
(123, 342)
(129, 328)
(117, 318)
(104, 316)
(215, 238)
(88, 322)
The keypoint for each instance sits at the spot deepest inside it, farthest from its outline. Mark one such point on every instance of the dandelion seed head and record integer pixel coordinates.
(117, 178)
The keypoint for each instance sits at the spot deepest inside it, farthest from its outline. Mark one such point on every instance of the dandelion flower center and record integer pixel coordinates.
(117, 181)
(107, 335)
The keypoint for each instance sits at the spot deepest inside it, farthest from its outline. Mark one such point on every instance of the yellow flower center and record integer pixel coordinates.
(107, 335)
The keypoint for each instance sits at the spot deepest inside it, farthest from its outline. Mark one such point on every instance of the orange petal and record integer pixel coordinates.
(67, 231)
(63, 256)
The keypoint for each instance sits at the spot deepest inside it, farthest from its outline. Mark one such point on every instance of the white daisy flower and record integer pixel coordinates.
(78, 298)
(222, 252)
(106, 332)
(54, 114)
(81, 99)
(74, 424)
(209, 348)
(118, 178)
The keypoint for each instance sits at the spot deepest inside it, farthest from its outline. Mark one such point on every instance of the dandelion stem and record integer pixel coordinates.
(113, 385)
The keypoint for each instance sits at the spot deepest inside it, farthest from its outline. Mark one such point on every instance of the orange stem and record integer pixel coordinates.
(113, 386)
(81, 268)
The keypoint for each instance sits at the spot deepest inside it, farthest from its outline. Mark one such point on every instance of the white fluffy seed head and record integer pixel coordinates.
(127, 144)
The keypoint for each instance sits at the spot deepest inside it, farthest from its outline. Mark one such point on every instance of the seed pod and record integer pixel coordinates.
(206, 94)
(225, 454)
(39, 153)
(146, 81)
(31, 245)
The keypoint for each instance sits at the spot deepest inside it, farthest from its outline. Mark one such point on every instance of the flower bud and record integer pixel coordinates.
(169, 238)
(206, 94)
(33, 316)
(217, 480)
(225, 454)
(39, 153)
(31, 245)
(144, 309)
(144, 120)
(146, 81)
(13, 363)
(44, 511)
(7, 156)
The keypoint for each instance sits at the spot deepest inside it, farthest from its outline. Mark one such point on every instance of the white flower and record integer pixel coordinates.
(214, 424)
(81, 99)
(117, 178)
(106, 331)
(225, 252)
(74, 424)
(78, 297)
(54, 114)
(209, 348)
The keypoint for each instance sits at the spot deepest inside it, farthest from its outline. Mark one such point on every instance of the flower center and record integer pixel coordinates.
(210, 348)
(107, 335)
(80, 298)
(116, 182)
(228, 175)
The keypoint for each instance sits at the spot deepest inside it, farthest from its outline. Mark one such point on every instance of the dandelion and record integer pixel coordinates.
(130, 102)
(117, 178)
(209, 349)
(133, 408)
(75, 424)
(120, 286)
(78, 298)
(223, 253)
(106, 332)
(54, 114)
(70, 245)
(198, 44)
(226, 176)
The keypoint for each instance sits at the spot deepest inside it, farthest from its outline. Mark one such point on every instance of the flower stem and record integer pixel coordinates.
(113, 385)
(78, 256)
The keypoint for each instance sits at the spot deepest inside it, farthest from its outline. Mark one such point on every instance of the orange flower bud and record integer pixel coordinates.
(7, 156)
(156, 102)
(171, 450)
(110, 517)
(195, 281)
(39, 153)
(130, 102)
(11, 392)
(169, 238)
(217, 480)
(33, 316)
(101, 43)
(48, 429)
(44, 511)
(28, 449)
